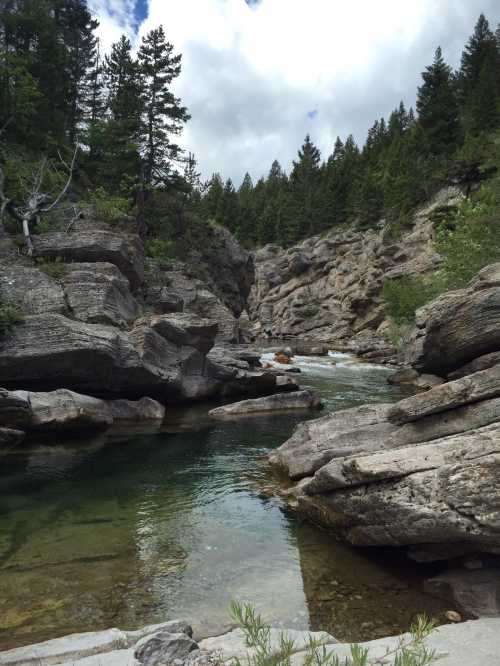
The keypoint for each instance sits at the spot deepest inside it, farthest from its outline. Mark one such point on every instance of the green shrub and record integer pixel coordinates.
(54, 268)
(409, 651)
(404, 296)
(111, 208)
(161, 250)
(10, 315)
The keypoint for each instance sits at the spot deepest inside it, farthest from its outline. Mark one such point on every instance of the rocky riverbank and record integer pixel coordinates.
(476, 643)
(101, 323)
(423, 473)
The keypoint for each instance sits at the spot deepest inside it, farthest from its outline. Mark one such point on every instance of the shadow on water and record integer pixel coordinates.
(137, 527)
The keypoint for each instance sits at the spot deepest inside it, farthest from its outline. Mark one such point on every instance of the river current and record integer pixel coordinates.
(131, 527)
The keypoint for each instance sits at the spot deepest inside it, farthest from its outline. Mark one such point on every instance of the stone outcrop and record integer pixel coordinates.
(92, 325)
(423, 471)
(328, 288)
(63, 409)
(79, 244)
(475, 643)
(10, 437)
(273, 403)
(98, 293)
(459, 326)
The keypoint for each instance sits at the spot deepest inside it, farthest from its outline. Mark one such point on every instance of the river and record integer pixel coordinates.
(132, 527)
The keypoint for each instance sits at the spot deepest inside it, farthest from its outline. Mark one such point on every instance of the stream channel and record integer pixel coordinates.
(132, 527)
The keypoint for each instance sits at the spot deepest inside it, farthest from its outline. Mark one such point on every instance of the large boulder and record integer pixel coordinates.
(47, 351)
(31, 289)
(98, 293)
(65, 410)
(458, 326)
(273, 403)
(185, 329)
(124, 251)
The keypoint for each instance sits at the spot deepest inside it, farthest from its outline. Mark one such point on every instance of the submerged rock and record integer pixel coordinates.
(10, 437)
(272, 403)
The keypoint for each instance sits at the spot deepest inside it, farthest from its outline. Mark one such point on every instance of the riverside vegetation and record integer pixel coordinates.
(411, 651)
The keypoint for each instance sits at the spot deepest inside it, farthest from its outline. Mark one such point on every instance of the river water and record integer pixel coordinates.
(130, 528)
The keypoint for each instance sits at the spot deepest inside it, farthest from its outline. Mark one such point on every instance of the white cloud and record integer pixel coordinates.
(116, 17)
(251, 77)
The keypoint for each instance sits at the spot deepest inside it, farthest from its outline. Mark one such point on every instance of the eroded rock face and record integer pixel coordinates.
(329, 288)
(79, 245)
(31, 289)
(98, 293)
(10, 437)
(459, 326)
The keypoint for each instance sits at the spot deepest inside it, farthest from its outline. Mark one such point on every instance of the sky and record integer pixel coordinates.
(258, 75)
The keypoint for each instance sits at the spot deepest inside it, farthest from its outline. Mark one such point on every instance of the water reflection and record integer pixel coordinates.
(134, 528)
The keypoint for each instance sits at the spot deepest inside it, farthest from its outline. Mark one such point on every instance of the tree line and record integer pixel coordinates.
(60, 92)
(404, 159)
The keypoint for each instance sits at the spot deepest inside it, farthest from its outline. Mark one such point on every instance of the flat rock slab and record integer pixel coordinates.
(271, 403)
(126, 253)
(90, 648)
(233, 645)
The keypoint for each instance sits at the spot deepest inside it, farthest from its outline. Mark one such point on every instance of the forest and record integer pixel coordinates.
(115, 117)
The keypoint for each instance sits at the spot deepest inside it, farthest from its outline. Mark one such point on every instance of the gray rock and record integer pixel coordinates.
(476, 592)
(10, 437)
(163, 648)
(473, 388)
(98, 293)
(343, 433)
(46, 351)
(232, 645)
(453, 502)
(459, 326)
(65, 410)
(272, 403)
(145, 409)
(324, 288)
(110, 647)
(32, 290)
(15, 410)
(185, 329)
(478, 364)
(125, 252)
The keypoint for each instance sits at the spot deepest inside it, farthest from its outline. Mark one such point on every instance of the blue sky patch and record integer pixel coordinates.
(312, 114)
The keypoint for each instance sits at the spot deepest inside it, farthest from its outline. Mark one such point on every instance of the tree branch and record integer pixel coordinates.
(68, 182)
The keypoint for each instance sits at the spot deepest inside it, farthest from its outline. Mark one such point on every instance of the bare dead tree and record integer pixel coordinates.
(36, 203)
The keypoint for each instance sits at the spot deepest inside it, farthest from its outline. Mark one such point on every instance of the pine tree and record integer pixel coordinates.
(228, 208)
(213, 196)
(122, 76)
(480, 48)
(163, 114)
(437, 108)
(305, 183)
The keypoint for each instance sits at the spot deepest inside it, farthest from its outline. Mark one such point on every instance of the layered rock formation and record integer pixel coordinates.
(96, 322)
(328, 288)
(424, 472)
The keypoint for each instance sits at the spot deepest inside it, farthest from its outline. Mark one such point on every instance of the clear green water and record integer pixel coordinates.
(132, 528)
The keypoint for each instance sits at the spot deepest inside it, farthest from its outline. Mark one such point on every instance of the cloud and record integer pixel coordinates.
(258, 76)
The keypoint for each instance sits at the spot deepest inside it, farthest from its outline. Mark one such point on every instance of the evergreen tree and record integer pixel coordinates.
(437, 108)
(305, 190)
(213, 196)
(163, 114)
(228, 208)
